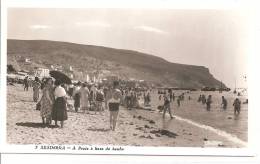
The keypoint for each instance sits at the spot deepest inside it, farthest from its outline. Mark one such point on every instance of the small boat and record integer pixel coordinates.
(235, 91)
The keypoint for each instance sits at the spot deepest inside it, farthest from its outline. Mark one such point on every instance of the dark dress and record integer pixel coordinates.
(59, 112)
(77, 100)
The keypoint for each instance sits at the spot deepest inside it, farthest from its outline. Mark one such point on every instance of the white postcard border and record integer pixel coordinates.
(253, 129)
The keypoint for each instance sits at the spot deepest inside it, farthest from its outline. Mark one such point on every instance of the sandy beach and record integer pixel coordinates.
(134, 127)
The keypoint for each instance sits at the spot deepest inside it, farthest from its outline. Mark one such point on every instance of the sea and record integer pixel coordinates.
(218, 120)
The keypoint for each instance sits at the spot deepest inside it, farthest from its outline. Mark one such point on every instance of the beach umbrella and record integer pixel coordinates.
(61, 76)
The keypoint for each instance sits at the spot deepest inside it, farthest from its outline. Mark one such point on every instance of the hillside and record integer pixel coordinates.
(124, 63)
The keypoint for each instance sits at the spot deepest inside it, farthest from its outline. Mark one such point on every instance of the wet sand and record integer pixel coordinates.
(218, 118)
(134, 128)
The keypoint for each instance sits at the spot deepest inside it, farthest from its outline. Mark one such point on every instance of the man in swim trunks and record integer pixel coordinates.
(167, 104)
(237, 106)
(114, 99)
(224, 103)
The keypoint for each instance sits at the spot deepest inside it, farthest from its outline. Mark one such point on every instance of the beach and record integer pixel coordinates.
(135, 127)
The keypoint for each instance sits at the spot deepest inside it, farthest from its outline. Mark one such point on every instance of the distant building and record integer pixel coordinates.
(42, 72)
(87, 78)
(70, 68)
(22, 73)
(56, 67)
(27, 60)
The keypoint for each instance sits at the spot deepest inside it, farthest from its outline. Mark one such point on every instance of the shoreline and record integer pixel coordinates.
(134, 128)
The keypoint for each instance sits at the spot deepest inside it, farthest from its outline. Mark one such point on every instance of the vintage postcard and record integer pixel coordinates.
(126, 80)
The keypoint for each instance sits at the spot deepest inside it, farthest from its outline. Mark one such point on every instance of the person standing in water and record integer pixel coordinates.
(179, 101)
(224, 103)
(199, 99)
(114, 99)
(203, 99)
(237, 106)
(208, 102)
(167, 104)
(173, 96)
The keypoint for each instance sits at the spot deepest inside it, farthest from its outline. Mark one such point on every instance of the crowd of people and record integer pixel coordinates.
(169, 97)
(224, 103)
(54, 100)
(53, 103)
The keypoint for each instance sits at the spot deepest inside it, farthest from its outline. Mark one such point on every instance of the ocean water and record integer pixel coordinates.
(217, 118)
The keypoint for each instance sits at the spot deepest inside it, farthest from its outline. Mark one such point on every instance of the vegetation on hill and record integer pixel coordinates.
(123, 63)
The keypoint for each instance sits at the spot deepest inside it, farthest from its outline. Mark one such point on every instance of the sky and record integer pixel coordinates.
(216, 39)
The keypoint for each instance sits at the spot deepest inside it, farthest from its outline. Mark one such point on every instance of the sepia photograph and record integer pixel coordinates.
(128, 77)
(136, 79)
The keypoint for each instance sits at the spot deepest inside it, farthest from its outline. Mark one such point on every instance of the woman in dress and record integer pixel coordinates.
(47, 101)
(59, 112)
(84, 94)
(36, 89)
(114, 98)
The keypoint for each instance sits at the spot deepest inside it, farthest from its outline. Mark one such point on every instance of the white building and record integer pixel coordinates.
(71, 76)
(42, 72)
(27, 60)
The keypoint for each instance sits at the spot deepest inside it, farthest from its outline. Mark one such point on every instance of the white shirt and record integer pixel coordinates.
(59, 92)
